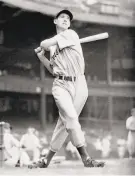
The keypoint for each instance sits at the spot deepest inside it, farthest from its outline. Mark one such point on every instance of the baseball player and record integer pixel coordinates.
(69, 87)
(130, 125)
(11, 146)
(30, 143)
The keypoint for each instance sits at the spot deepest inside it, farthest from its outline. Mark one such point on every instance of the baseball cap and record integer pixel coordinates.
(66, 12)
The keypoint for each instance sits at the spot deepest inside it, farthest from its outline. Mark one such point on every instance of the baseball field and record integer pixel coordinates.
(72, 168)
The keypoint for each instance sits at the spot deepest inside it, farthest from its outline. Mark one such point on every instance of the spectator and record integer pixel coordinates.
(130, 125)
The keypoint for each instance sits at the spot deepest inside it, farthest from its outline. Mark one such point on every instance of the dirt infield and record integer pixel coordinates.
(72, 168)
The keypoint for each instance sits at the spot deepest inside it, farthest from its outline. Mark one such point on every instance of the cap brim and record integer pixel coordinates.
(66, 12)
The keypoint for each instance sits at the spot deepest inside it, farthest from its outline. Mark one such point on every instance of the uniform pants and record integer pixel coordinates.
(25, 158)
(12, 155)
(131, 143)
(70, 104)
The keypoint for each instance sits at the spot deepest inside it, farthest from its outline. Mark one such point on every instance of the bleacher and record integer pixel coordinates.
(105, 11)
(19, 62)
(62, 4)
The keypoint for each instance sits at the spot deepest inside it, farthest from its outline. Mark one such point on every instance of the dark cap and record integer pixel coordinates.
(66, 12)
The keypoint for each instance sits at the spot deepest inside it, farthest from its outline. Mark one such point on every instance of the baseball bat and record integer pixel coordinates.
(92, 38)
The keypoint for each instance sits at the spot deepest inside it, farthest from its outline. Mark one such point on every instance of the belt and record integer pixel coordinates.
(66, 78)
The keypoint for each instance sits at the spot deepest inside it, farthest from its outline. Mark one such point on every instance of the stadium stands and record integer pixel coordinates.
(62, 4)
(21, 69)
(104, 11)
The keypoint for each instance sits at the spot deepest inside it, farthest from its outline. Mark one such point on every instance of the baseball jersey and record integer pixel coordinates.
(130, 123)
(68, 58)
(30, 141)
(10, 141)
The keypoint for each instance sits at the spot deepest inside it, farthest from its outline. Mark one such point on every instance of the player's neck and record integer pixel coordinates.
(59, 30)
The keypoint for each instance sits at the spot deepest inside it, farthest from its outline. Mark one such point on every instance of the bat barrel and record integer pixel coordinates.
(92, 38)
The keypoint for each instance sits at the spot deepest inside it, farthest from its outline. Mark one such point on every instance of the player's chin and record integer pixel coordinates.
(64, 27)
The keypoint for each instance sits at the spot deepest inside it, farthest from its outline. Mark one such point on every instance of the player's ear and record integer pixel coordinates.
(55, 21)
(69, 26)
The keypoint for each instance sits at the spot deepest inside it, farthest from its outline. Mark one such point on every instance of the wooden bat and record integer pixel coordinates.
(92, 38)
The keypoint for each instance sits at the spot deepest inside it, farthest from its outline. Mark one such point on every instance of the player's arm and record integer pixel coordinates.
(129, 125)
(64, 39)
(40, 53)
(15, 142)
(46, 44)
(21, 144)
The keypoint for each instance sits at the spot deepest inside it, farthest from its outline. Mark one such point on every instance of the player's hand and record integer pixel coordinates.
(38, 50)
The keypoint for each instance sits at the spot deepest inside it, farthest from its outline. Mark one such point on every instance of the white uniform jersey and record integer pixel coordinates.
(10, 141)
(68, 58)
(30, 141)
(130, 123)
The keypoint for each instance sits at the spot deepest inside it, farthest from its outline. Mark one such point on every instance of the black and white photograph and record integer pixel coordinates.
(67, 87)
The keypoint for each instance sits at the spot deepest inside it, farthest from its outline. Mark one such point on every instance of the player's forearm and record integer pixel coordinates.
(46, 63)
(129, 128)
(46, 44)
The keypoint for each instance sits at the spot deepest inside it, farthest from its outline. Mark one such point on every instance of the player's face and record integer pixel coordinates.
(63, 21)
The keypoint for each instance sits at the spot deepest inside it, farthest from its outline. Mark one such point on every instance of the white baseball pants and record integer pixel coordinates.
(131, 143)
(70, 98)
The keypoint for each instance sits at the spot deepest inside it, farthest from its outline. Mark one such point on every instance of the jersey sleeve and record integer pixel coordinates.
(128, 123)
(22, 141)
(67, 38)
